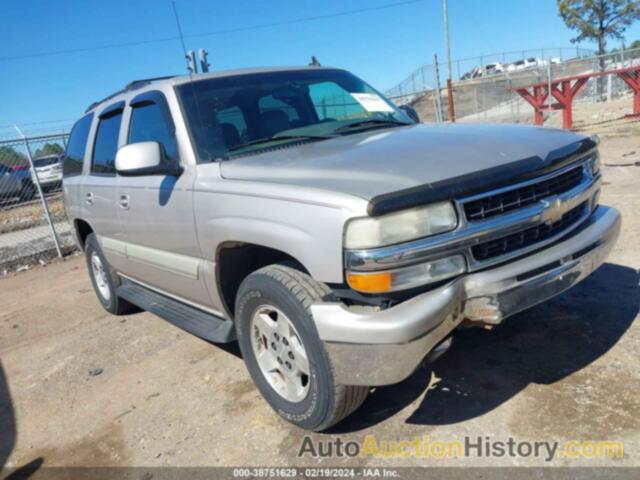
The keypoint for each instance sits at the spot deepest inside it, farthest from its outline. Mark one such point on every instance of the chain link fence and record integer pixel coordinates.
(486, 92)
(33, 223)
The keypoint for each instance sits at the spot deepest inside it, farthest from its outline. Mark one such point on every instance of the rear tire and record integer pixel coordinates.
(105, 281)
(283, 352)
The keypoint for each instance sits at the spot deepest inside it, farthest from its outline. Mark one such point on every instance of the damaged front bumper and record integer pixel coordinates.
(372, 347)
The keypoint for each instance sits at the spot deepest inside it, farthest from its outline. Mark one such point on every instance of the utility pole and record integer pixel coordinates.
(436, 92)
(452, 113)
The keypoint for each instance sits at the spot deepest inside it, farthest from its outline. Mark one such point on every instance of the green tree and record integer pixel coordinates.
(49, 149)
(596, 20)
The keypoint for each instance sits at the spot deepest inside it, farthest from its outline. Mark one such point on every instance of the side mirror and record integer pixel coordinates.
(145, 158)
(411, 113)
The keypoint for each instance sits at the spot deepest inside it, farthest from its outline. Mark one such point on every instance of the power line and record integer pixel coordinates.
(40, 123)
(212, 33)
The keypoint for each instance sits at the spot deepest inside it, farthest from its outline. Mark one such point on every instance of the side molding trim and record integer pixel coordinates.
(172, 262)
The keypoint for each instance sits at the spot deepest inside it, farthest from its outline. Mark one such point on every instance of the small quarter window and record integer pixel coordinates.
(76, 147)
(106, 144)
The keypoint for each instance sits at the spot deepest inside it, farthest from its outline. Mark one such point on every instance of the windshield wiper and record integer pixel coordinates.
(374, 122)
(275, 138)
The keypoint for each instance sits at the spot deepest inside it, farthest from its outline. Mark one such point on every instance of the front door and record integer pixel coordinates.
(156, 211)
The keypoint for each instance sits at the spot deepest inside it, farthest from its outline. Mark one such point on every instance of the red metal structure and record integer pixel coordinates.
(564, 90)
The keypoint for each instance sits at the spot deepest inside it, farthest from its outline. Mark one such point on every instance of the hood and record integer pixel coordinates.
(377, 164)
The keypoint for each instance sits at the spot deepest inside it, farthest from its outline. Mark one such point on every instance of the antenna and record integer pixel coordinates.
(191, 63)
(314, 62)
(190, 57)
(204, 64)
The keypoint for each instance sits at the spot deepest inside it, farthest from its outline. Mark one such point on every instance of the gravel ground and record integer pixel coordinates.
(82, 387)
(21, 216)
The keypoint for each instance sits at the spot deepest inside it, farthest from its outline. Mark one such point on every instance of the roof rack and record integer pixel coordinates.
(129, 87)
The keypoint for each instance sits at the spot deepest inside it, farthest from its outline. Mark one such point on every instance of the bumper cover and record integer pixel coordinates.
(369, 347)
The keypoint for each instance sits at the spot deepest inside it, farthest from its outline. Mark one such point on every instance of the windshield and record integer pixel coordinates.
(244, 114)
(44, 162)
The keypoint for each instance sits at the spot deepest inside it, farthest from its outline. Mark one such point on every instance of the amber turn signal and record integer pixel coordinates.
(370, 282)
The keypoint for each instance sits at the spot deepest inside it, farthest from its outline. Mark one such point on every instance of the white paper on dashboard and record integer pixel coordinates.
(372, 102)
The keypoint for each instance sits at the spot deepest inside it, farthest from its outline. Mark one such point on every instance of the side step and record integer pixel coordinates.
(193, 320)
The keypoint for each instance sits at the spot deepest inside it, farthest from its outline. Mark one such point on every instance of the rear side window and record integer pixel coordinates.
(76, 146)
(106, 144)
(149, 124)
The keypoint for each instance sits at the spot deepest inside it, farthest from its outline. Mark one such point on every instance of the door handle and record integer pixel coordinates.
(89, 198)
(124, 202)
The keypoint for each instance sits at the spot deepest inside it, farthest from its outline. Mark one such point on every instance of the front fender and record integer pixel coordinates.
(308, 230)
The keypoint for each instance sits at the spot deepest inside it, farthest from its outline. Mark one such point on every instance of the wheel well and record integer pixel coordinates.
(83, 229)
(236, 261)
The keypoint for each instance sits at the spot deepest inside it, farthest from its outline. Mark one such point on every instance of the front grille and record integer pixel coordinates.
(516, 241)
(503, 202)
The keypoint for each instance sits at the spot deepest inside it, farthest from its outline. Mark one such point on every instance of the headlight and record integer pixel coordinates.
(371, 232)
(407, 277)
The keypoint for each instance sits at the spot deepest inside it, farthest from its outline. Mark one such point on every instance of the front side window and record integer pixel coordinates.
(149, 124)
(76, 147)
(247, 114)
(106, 144)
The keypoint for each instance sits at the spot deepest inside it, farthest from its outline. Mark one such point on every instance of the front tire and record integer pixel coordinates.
(283, 352)
(104, 279)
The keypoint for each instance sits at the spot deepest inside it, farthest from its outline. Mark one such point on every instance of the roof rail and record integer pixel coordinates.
(129, 87)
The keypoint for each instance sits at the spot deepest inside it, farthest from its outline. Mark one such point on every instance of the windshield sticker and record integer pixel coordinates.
(372, 102)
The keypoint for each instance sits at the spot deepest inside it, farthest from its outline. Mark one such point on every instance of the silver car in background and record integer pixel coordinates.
(48, 169)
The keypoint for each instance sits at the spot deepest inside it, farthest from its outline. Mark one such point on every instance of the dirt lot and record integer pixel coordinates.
(15, 216)
(565, 370)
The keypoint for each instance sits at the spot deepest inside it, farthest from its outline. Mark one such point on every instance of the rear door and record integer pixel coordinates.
(156, 211)
(99, 188)
(73, 165)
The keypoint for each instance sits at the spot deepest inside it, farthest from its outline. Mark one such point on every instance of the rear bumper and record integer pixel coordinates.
(369, 347)
(47, 179)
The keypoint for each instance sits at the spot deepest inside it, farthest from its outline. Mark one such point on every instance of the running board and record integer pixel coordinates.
(193, 320)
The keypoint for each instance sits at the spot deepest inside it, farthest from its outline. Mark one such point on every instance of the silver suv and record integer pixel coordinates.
(338, 240)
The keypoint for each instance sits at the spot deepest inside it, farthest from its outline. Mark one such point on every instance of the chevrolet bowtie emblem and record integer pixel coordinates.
(553, 209)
